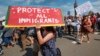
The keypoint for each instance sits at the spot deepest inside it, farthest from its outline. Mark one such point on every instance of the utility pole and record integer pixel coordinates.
(75, 5)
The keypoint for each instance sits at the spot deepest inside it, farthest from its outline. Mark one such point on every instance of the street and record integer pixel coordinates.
(66, 46)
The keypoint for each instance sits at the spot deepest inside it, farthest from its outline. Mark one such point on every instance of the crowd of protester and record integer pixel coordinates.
(44, 37)
(82, 26)
(39, 37)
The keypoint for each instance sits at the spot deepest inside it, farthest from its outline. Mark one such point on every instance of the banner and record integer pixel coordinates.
(84, 8)
(25, 16)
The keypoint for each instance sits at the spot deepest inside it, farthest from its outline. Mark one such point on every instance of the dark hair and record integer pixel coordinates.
(83, 18)
(50, 28)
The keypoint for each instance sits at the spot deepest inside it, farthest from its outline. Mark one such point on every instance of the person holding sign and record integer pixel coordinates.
(46, 40)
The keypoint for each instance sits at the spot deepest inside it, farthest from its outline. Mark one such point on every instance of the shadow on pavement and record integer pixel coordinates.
(70, 38)
(97, 39)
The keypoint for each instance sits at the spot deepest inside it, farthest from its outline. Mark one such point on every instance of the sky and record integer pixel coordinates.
(64, 5)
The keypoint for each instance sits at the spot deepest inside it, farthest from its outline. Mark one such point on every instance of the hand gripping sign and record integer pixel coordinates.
(25, 16)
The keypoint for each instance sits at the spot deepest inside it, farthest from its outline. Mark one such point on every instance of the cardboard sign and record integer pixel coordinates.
(24, 16)
(84, 8)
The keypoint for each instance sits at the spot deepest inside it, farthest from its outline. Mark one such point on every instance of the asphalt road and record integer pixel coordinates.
(67, 47)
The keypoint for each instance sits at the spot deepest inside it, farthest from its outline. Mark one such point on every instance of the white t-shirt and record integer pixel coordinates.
(76, 23)
(68, 21)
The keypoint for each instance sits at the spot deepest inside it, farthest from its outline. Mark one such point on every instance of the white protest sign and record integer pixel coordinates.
(4, 23)
(84, 8)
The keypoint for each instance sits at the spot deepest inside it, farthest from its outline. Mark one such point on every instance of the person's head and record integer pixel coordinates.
(50, 29)
(89, 16)
(84, 16)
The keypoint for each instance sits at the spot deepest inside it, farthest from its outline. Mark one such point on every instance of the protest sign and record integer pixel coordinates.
(25, 16)
(84, 8)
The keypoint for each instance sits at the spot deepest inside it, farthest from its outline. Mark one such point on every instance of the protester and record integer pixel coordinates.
(7, 37)
(79, 25)
(86, 28)
(16, 36)
(98, 22)
(59, 31)
(31, 38)
(68, 22)
(31, 33)
(23, 35)
(93, 20)
(46, 40)
(76, 27)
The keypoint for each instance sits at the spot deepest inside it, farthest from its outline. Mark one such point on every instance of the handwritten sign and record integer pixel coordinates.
(84, 8)
(23, 16)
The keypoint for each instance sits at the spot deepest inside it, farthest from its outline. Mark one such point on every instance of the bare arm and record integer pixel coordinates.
(42, 39)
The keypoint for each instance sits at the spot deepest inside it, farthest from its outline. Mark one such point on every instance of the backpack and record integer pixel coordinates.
(58, 52)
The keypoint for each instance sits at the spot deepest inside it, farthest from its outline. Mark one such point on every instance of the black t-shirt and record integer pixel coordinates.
(32, 31)
(24, 31)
